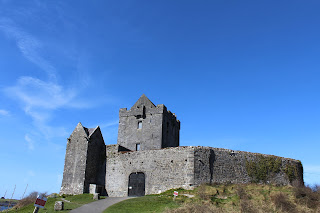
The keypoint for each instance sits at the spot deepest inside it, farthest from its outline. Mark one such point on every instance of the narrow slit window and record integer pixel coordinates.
(137, 146)
(140, 125)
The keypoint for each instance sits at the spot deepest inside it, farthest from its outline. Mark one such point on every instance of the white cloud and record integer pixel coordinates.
(311, 174)
(31, 173)
(35, 93)
(312, 169)
(39, 99)
(29, 46)
(4, 112)
(109, 124)
(30, 142)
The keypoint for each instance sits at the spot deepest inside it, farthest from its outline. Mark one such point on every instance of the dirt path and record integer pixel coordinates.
(98, 206)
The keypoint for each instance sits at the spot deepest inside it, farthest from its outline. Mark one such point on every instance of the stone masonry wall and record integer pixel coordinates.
(187, 167)
(153, 127)
(75, 162)
(216, 165)
(170, 130)
(149, 136)
(95, 160)
(164, 169)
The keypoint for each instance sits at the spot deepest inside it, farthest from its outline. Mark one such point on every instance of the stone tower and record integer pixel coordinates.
(84, 161)
(146, 126)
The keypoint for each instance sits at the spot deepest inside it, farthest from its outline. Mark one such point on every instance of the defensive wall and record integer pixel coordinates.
(189, 166)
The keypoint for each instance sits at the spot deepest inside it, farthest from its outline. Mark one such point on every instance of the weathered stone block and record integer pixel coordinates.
(96, 196)
(58, 205)
(93, 189)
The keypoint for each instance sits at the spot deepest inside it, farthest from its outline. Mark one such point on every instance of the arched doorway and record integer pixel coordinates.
(136, 186)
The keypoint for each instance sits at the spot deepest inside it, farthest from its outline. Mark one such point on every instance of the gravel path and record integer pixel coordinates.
(98, 206)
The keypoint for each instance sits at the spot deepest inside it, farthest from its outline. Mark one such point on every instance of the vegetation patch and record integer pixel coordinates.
(291, 172)
(227, 198)
(265, 166)
(149, 203)
(26, 205)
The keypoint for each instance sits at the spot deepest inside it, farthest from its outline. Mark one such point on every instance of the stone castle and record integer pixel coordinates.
(147, 159)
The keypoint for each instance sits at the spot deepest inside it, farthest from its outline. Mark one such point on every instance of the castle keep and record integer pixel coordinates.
(147, 159)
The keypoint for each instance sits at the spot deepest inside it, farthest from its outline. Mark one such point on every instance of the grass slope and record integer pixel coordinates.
(227, 198)
(75, 202)
(143, 204)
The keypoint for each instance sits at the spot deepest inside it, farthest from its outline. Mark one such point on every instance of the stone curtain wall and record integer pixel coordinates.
(215, 165)
(164, 169)
(191, 166)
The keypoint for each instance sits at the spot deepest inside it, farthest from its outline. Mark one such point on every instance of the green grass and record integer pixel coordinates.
(151, 203)
(75, 202)
(226, 198)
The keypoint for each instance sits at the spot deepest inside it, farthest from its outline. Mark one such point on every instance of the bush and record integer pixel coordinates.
(281, 202)
(264, 166)
(31, 198)
(308, 196)
(316, 188)
(247, 207)
(291, 172)
(241, 192)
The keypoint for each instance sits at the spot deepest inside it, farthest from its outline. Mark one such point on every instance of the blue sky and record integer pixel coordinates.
(241, 75)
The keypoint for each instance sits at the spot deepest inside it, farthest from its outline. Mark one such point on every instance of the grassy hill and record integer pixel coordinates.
(206, 198)
(26, 205)
(227, 198)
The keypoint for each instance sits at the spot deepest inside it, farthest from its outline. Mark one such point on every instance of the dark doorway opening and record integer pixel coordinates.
(136, 186)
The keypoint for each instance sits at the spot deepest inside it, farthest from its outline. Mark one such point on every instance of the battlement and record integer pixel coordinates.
(142, 110)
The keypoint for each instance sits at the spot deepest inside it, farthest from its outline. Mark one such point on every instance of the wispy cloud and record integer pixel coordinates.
(311, 173)
(4, 112)
(315, 169)
(39, 100)
(29, 141)
(109, 124)
(28, 45)
(35, 93)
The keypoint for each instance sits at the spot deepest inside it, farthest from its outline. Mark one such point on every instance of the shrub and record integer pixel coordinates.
(316, 188)
(247, 207)
(241, 192)
(291, 172)
(260, 169)
(281, 202)
(31, 198)
(307, 196)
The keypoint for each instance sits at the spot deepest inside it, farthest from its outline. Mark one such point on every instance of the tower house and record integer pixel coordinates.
(147, 126)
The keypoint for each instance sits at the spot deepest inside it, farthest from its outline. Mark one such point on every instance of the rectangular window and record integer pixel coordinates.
(140, 125)
(137, 146)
